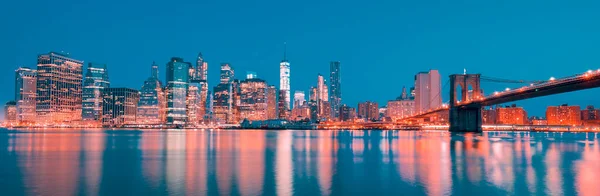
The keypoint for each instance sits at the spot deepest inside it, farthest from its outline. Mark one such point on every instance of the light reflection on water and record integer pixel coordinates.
(98, 162)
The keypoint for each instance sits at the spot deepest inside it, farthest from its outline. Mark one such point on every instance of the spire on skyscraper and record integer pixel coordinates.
(284, 52)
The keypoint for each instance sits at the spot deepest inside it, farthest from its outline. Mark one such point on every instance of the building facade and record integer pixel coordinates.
(272, 102)
(590, 113)
(368, 111)
(119, 106)
(563, 115)
(347, 113)
(10, 113)
(152, 106)
(427, 91)
(58, 89)
(224, 96)
(96, 80)
(403, 106)
(299, 98)
(284, 80)
(25, 92)
(335, 83)
(177, 86)
(282, 106)
(511, 115)
(253, 99)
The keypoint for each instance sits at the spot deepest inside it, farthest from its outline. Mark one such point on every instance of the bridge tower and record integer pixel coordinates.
(464, 115)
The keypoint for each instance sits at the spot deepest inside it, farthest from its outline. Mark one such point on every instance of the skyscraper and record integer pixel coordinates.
(324, 109)
(96, 80)
(282, 106)
(253, 99)
(272, 102)
(25, 91)
(335, 83)
(197, 92)
(226, 73)
(58, 94)
(299, 98)
(427, 91)
(152, 105)
(284, 79)
(177, 86)
(224, 96)
(119, 106)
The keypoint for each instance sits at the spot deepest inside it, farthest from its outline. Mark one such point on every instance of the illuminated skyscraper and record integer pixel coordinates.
(322, 96)
(119, 106)
(284, 79)
(25, 91)
(272, 102)
(224, 96)
(335, 83)
(197, 92)
(96, 79)
(299, 98)
(177, 86)
(152, 105)
(253, 99)
(427, 91)
(58, 94)
(563, 115)
(282, 108)
(226, 73)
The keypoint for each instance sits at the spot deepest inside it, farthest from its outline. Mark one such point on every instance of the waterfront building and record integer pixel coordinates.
(538, 121)
(272, 102)
(563, 115)
(335, 83)
(590, 113)
(368, 110)
(176, 90)
(58, 89)
(25, 92)
(427, 91)
(253, 99)
(119, 106)
(202, 79)
(96, 80)
(153, 101)
(403, 106)
(488, 116)
(284, 79)
(10, 112)
(511, 115)
(313, 94)
(347, 113)
(299, 98)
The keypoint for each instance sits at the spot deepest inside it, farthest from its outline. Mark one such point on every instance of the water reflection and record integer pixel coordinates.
(197, 162)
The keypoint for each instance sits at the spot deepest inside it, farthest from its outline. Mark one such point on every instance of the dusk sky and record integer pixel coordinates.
(381, 44)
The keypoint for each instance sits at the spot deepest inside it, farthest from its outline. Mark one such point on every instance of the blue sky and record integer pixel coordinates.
(381, 44)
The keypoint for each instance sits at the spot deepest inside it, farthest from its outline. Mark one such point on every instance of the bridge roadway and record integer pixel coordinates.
(587, 80)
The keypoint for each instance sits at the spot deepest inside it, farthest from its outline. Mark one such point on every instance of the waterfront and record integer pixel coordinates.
(257, 162)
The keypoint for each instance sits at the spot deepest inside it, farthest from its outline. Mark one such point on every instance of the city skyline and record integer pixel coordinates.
(435, 42)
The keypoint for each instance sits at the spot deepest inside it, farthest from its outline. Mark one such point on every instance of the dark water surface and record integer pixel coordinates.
(227, 162)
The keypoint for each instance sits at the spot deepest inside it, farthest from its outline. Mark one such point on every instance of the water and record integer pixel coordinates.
(99, 162)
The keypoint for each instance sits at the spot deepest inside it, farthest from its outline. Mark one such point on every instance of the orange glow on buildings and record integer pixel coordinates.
(512, 115)
(563, 115)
